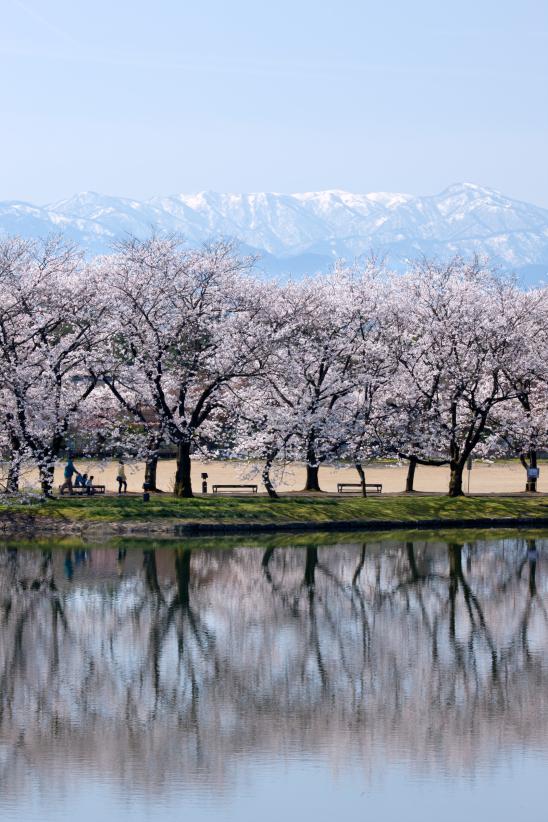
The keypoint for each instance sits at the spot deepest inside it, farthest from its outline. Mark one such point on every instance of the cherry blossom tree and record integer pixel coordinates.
(182, 330)
(49, 323)
(360, 425)
(523, 424)
(317, 329)
(461, 326)
(159, 343)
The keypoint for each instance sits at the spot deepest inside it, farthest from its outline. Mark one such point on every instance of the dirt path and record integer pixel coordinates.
(496, 478)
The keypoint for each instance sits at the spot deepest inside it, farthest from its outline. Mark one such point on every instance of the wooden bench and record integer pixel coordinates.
(377, 486)
(79, 491)
(254, 488)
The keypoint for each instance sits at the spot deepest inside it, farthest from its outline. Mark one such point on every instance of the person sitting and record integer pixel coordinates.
(80, 481)
(89, 486)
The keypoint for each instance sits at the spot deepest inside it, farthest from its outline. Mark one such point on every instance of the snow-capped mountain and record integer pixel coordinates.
(307, 231)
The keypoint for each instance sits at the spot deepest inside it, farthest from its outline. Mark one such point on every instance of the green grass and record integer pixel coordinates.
(285, 510)
(374, 540)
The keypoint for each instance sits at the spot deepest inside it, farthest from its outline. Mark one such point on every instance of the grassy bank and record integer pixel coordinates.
(287, 510)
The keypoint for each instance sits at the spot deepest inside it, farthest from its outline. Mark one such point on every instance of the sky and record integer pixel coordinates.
(156, 97)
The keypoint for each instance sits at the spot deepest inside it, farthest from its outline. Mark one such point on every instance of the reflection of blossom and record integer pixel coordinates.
(431, 653)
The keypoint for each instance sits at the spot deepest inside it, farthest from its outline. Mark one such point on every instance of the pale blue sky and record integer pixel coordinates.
(153, 97)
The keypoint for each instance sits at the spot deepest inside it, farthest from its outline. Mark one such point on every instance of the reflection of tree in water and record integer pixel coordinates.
(179, 661)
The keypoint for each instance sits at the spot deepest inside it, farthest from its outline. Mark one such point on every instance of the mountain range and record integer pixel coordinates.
(294, 233)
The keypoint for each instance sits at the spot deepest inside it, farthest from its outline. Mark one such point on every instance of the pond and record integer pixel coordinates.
(296, 678)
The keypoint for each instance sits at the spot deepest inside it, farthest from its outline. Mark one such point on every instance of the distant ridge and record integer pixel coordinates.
(306, 231)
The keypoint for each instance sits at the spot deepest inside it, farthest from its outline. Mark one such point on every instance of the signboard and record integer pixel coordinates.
(533, 473)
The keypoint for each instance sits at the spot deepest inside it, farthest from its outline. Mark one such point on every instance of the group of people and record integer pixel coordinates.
(84, 481)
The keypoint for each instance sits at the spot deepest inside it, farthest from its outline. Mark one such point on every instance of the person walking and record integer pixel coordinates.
(70, 470)
(121, 478)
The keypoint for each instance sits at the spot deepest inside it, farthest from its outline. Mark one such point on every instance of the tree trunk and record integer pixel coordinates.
(183, 481)
(46, 478)
(151, 468)
(410, 480)
(312, 480)
(12, 480)
(360, 565)
(312, 467)
(14, 467)
(46, 464)
(151, 465)
(361, 474)
(271, 491)
(411, 559)
(310, 567)
(182, 573)
(455, 481)
(151, 573)
(532, 556)
(265, 562)
(455, 573)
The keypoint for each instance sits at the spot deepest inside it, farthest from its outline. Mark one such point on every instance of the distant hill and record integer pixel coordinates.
(295, 233)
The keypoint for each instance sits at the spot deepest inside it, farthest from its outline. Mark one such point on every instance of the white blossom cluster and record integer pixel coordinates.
(158, 343)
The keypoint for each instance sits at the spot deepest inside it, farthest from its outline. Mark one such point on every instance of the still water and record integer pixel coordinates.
(362, 680)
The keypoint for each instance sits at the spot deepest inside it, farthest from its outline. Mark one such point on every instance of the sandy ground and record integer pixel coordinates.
(484, 478)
